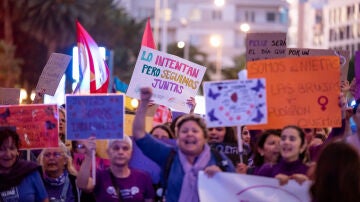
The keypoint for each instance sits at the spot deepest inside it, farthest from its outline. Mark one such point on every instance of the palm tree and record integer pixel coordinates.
(10, 65)
(52, 22)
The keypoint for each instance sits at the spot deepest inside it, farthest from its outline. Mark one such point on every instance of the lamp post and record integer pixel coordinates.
(216, 42)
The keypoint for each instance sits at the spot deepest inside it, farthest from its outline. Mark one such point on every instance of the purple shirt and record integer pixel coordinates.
(283, 167)
(136, 187)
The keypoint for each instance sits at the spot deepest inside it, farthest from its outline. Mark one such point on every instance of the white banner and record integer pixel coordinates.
(173, 79)
(249, 188)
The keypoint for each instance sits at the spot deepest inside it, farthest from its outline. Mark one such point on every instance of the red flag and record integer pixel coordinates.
(162, 114)
(148, 39)
(93, 69)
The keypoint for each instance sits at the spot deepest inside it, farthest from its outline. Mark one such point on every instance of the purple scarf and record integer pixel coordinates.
(189, 190)
(17, 173)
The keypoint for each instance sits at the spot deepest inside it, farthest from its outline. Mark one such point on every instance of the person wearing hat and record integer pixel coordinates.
(119, 182)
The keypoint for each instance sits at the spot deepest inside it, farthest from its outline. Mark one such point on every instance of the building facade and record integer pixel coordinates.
(196, 21)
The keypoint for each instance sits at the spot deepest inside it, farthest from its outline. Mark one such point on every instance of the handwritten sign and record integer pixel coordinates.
(300, 91)
(173, 79)
(101, 116)
(235, 102)
(52, 73)
(229, 149)
(9, 96)
(37, 125)
(231, 187)
(265, 46)
(343, 55)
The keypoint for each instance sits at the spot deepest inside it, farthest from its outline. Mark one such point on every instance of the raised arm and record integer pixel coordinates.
(83, 179)
(139, 120)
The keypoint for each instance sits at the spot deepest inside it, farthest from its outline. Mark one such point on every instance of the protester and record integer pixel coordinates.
(267, 152)
(59, 174)
(19, 180)
(245, 135)
(354, 139)
(191, 155)
(162, 131)
(221, 135)
(337, 174)
(119, 182)
(292, 147)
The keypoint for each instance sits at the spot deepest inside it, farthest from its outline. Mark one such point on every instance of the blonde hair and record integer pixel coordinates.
(69, 161)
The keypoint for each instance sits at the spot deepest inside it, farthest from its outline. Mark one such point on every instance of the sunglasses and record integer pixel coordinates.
(54, 154)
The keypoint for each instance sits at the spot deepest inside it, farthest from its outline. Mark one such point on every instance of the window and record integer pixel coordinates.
(216, 15)
(270, 17)
(249, 16)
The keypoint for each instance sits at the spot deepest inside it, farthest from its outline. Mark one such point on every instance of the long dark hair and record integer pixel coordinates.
(6, 132)
(302, 137)
(337, 174)
(258, 159)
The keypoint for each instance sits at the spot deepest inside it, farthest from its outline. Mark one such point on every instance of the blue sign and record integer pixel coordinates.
(101, 116)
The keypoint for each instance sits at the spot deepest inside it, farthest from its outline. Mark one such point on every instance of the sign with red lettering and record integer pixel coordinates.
(101, 116)
(300, 91)
(37, 125)
(173, 79)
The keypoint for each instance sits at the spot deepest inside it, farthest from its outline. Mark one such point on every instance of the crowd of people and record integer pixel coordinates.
(327, 157)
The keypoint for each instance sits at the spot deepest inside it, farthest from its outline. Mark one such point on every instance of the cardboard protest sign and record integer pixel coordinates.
(343, 55)
(101, 116)
(265, 46)
(37, 125)
(52, 73)
(300, 91)
(235, 102)
(173, 79)
(232, 187)
(9, 96)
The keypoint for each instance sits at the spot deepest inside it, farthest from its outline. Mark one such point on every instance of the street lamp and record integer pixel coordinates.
(216, 42)
(245, 27)
(219, 3)
(181, 44)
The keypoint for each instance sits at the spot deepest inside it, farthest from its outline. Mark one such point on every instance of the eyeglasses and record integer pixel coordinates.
(54, 154)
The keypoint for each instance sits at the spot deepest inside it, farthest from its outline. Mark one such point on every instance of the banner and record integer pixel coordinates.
(344, 57)
(101, 116)
(9, 96)
(37, 125)
(235, 102)
(261, 46)
(300, 91)
(232, 187)
(173, 79)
